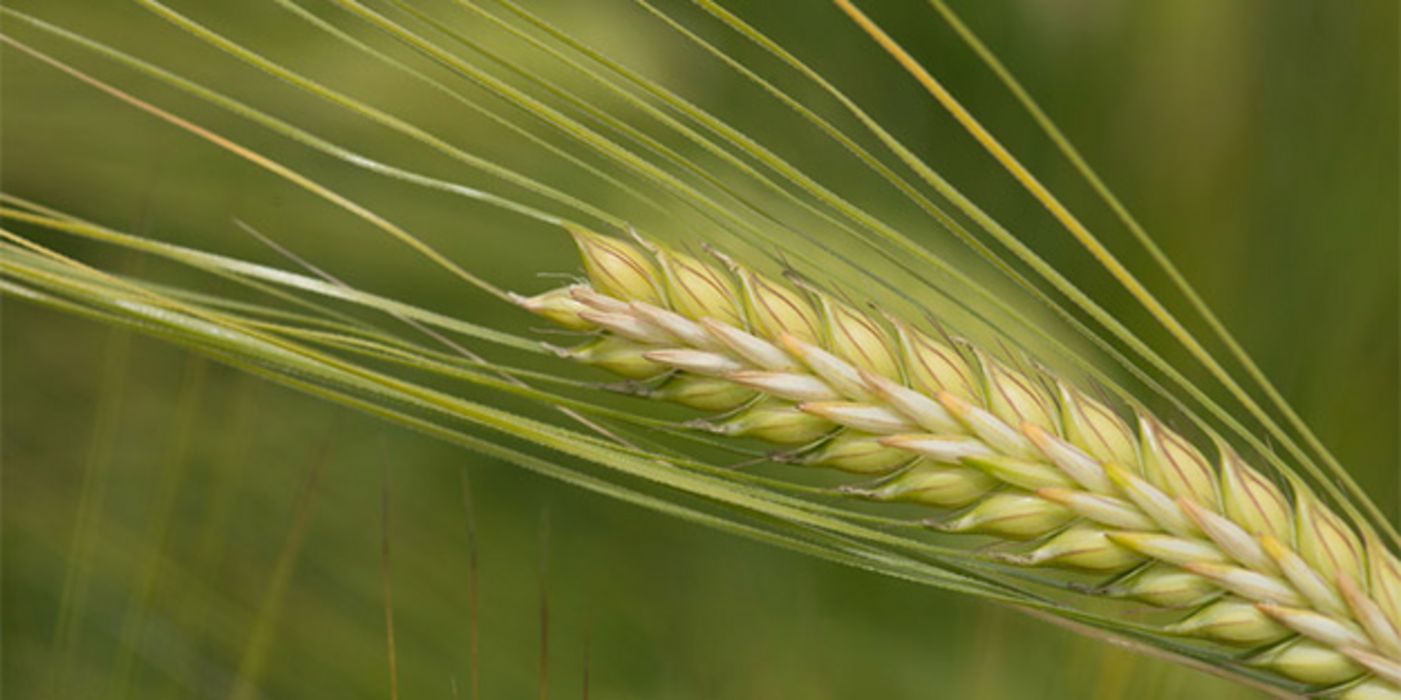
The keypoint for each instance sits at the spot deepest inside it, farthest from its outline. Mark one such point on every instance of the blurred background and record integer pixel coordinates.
(173, 528)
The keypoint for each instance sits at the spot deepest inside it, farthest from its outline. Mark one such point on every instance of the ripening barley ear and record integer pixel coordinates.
(1069, 482)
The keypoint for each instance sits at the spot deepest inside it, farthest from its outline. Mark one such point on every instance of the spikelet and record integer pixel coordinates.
(1017, 455)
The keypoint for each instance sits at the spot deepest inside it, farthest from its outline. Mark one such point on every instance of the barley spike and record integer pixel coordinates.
(1012, 454)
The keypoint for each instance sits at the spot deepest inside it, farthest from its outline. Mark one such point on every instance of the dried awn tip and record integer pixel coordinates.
(1021, 455)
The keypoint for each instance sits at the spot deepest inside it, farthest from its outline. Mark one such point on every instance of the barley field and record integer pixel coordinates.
(312, 442)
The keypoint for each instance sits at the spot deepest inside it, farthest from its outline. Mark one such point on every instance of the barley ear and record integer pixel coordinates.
(1063, 480)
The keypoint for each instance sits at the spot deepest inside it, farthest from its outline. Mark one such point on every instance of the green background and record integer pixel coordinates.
(1257, 141)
